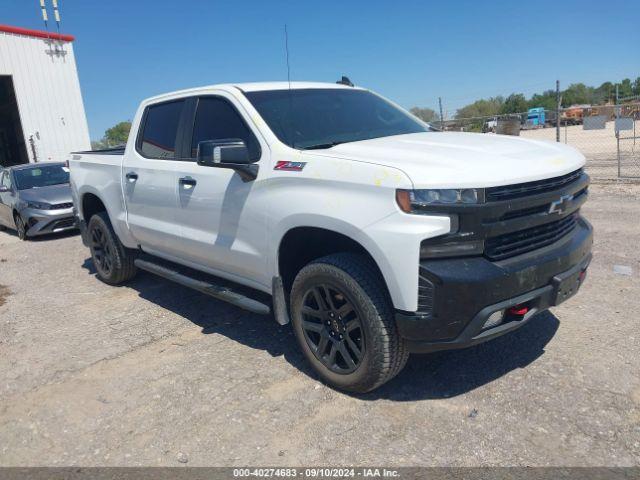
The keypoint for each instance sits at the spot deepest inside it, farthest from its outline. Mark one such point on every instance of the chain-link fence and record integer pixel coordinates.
(608, 136)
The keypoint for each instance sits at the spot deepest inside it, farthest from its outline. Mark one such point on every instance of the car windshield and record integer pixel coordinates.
(322, 118)
(41, 176)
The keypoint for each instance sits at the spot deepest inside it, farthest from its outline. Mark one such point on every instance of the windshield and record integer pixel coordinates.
(322, 118)
(41, 176)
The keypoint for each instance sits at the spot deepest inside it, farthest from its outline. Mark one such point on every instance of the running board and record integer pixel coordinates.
(221, 293)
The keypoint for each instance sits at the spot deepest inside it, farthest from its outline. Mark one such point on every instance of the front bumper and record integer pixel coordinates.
(40, 222)
(466, 291)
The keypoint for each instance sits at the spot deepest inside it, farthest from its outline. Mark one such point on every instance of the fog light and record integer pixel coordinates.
(494, 319)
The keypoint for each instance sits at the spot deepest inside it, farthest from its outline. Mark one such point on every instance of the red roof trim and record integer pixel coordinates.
(36, 33)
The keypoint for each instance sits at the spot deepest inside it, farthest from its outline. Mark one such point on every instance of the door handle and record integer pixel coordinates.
(188, 182)
(132, 177)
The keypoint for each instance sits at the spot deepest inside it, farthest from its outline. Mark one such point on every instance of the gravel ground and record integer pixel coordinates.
(154, 374)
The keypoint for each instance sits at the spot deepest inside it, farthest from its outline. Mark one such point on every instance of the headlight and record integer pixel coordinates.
(412, 200)
(38, 205)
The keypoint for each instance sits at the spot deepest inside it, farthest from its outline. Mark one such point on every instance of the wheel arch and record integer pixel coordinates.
(90, 204)
(92, 201)
(301, 245)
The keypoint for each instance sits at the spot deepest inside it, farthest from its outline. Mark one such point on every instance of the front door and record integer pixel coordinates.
(222, 222)
(149, 179)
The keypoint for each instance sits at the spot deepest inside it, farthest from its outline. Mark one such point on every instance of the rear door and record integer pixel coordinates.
(223, 226)
(149, 179)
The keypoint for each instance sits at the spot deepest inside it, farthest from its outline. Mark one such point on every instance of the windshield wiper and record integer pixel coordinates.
(321, 146)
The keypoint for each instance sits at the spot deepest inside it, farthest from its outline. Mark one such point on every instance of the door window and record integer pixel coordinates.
(217, 119)
(5, 181)
(158, 139)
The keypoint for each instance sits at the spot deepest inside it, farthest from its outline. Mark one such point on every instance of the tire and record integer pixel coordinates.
(329, 297)
(21, 227)
(112, 260)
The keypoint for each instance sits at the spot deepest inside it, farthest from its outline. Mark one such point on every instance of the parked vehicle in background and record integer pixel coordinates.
(331, 206)
(489, 126)
(574, 115)
(36, 199)
(535, 118)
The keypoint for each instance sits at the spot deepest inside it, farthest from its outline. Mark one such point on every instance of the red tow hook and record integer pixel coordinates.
(518, 310)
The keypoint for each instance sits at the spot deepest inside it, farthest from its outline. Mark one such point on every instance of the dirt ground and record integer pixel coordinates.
(154, 374)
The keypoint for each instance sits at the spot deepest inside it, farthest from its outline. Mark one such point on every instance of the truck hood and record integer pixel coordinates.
(454, 159)
(53, 194)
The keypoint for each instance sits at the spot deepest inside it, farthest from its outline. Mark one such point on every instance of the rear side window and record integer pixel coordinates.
(217, 119)
(158, 139)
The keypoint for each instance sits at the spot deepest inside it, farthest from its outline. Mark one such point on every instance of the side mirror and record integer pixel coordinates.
(231, 150)
(227, 153)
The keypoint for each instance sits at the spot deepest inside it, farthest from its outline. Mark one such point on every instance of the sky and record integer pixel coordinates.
(409, 51)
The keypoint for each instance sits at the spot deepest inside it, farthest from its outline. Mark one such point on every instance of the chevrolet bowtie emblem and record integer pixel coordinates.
(560, 205)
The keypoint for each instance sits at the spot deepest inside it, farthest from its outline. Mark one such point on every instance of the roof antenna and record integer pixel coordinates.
(286, 47)
(345, 81)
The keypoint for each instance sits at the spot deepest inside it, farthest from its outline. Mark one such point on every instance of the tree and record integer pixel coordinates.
(515, 103)
(117, 135)
(547, 100)
(578, 94)
(605, 93)
(636, 86)
(481, 108)
(625, 89)
(114, 136)
(425, 114)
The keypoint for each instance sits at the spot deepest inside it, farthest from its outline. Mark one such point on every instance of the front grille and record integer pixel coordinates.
(63, 223)
(61, 206)
(516, 243)
(425, 296)
(519, 190)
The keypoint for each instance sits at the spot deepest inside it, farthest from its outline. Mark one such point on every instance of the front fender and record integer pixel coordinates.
(393, 242)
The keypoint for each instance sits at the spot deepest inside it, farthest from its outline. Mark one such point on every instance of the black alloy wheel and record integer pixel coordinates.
(21, 227)
(102, 250)
(114, 263)
(333, 329)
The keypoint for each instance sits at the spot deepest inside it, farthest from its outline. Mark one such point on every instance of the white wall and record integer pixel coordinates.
(48, 93)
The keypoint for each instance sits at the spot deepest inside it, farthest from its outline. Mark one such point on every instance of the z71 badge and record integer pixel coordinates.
(289, 166)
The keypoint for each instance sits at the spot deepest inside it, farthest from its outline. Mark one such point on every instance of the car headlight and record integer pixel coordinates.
(413, 201)
(39, 205)
(419, 201)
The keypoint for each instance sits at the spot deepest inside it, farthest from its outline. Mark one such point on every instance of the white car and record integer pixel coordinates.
(328, 205)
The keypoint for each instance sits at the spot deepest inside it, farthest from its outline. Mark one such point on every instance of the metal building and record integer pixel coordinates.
(42, 116)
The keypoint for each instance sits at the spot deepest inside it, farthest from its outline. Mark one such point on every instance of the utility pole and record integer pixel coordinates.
(615, 111)
(557, 110)
(441, 116)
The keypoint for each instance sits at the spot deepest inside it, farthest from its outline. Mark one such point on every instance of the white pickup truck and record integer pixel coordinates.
(328, 205)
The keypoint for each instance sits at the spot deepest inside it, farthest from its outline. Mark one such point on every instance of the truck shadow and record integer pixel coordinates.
(448, 374)
(432, 376)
